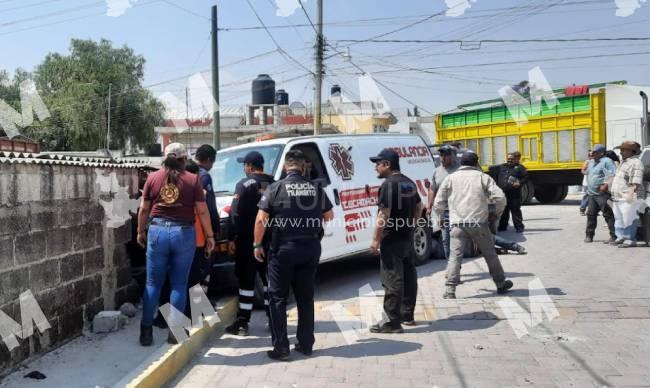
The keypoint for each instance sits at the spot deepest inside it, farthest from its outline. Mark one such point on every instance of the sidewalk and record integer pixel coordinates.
(601, 336)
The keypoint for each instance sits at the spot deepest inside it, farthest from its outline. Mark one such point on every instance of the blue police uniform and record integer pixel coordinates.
(295, 207)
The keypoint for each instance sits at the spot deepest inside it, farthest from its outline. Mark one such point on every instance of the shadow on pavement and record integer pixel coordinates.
(362, 348)
(519, 293)
(462, 322)
(473, 277)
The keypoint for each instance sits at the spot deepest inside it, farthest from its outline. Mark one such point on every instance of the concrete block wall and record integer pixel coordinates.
(55, 241)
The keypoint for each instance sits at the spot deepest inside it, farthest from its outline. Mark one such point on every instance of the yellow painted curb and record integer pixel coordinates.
(162, 366)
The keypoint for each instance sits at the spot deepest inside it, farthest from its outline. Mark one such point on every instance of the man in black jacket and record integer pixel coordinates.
(510, 177)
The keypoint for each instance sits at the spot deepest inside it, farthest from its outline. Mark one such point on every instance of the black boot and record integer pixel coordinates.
(146, 335)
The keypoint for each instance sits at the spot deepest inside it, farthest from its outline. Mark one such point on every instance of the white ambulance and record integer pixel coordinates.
(342, 166)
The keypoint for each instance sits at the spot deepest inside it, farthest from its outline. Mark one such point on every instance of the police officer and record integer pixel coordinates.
(294, 209)
(399, 207)
(242, 215)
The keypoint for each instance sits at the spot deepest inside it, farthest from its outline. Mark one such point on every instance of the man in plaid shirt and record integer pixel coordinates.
(626, 189)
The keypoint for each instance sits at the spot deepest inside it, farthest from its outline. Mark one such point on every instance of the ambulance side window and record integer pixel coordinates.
(315, 169)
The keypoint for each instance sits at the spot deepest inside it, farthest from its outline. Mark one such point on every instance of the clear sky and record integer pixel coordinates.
(174, 35)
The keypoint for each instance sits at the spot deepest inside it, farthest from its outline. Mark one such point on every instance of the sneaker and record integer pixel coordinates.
(627, 244)
(386, 328)
(298, 348)
(146, 335)
(449, 295)
(408, 321)
(239, 327)
(277, 355)
(506, 286)
(589, 239)
(520, 249)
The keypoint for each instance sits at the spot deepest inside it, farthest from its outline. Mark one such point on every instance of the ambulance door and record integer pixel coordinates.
(333, 243)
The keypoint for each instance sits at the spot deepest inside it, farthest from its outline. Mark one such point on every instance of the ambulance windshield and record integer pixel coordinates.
(227, 171)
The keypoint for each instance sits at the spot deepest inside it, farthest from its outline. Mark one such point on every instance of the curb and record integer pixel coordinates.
(166, 362)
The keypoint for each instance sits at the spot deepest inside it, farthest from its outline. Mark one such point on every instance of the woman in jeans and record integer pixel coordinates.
(169, 200)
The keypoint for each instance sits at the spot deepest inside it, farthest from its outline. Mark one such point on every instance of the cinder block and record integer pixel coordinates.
(43, 216)
(59, 242)
(12, 283)
(108, 321)
(14, 220)
(87, 289)
(57, 301)
(6, 253)
(30, 247)
(83, 238)
(44, 275)
(71, 324)
(93, 261)
(8, 187)
(28, 181)
(72, 267)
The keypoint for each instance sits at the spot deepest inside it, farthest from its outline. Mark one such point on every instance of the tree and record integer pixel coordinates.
(75, 87)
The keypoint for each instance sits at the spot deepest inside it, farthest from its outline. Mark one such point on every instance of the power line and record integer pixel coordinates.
(189, 11)
(307, 15)
(280, 49)
(481, 41)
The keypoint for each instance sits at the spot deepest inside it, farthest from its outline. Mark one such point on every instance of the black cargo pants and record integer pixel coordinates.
(399, 278)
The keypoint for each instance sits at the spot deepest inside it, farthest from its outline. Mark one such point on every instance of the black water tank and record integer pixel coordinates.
(263, 90)
(336, 90)
(282, 97)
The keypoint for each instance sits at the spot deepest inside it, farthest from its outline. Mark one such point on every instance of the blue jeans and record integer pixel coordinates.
(585, 199)
(505, 244)
(629, 233)
(170, 249)
(446, 237)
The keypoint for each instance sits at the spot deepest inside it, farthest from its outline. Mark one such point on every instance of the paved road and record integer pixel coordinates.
(597, 332)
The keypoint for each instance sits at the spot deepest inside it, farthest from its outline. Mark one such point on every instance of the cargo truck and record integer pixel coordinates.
(555, 139)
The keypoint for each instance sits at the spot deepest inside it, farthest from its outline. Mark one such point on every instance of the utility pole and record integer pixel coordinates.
(108, 125)
(215, 80)
(318, 74)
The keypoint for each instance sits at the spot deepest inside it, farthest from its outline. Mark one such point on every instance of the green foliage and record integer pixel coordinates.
(75, 87)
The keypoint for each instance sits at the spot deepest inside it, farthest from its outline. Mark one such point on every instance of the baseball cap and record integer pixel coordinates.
(253, 157)
(447, 149)
(386, 154)
(469, 159)
(599, 148)
(176, 150)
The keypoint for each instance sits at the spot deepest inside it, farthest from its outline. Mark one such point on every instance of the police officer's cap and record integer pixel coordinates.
(388, 155)
(447, 150)
(253, 157)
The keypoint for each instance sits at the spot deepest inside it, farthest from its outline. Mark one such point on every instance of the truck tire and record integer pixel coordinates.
(422, 244)
(551, 193)
(547, 194)
(527, 193)
(562, 192)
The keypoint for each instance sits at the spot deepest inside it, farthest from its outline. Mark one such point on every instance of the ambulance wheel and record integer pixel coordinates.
(422, 240)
